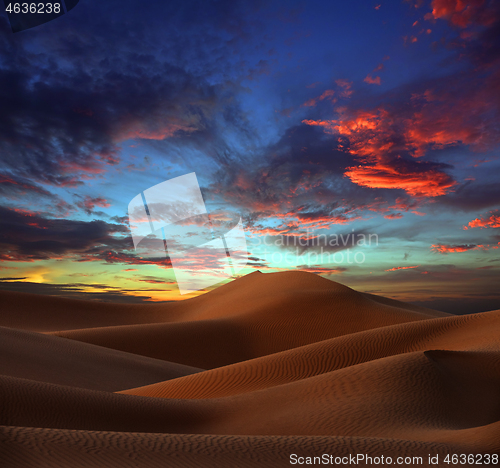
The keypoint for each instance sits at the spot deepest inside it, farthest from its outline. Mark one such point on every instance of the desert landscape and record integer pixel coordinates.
(258, 369)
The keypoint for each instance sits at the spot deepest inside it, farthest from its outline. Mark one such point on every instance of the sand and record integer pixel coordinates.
(244, 376)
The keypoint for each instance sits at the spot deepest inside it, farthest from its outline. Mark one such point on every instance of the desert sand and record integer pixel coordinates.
(266, 366)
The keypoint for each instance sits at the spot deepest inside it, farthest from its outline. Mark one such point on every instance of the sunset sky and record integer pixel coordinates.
(305, 118)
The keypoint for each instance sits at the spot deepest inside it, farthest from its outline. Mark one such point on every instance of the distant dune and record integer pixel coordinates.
(244, 376)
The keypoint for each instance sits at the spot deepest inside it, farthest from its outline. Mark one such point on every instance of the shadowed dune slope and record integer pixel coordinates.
(51, 359)
(255, 316)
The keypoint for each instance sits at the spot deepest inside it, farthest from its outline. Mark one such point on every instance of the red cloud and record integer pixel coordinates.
(464, 13)
(403, 268)
(493, 221)
(411, 39)
(369, 79)
(435, 119)
(8, 180)
(322, 270)
(89, 203)
(420, 182)
(393, 216)
(138, 129)
(328, 94)
(444, 249)
(371, 135)
(346, 87)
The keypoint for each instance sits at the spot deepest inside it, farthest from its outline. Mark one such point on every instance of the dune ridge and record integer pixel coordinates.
(243, 376)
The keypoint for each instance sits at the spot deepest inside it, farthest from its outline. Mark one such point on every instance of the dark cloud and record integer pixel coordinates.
(12, 186)
(319, 270)
(114, 256)
(461, 306)
(27, 236)
(67, 106)
(89, 203)
(77, 291)
(473, 196)
(301, 176)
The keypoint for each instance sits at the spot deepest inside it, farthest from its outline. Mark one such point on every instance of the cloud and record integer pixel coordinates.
(292, 173)
(445, 249)
(67, 107)
(472, 196)
(15, 186)
(479, 24)
(493, 221)
(461, 305)
(328, 94)
(417, 121)
(78, 291)
(29, 236)
(115, 256)
(372, 80)
(346, 87)
(89, 203)
(153, 279)
(321, 270)
(417, 178)
(403, 268)
(393, 216)
(463, 13)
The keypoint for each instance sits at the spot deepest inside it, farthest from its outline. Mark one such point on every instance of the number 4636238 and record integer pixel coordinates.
(33, 8)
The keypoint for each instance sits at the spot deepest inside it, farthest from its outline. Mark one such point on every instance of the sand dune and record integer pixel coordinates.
(295, 309)
(296, 364)
(66, 362)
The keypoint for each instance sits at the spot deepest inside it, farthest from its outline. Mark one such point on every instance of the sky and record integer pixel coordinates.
(356, 140)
